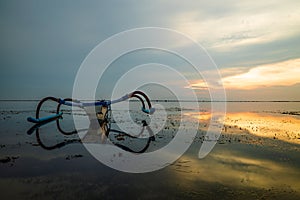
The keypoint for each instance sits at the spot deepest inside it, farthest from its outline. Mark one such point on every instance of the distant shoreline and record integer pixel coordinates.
(156, 100)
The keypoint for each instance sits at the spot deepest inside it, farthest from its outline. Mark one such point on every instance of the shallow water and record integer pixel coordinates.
(51, 165)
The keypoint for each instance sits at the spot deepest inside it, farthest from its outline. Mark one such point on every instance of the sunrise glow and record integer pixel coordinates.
(284, 73)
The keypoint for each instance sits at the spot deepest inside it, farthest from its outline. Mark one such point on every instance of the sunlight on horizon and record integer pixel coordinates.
(284, 73)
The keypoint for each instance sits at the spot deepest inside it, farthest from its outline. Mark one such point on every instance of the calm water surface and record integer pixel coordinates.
(51, 165)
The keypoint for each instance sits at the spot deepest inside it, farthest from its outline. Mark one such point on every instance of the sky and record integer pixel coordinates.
(255, 44)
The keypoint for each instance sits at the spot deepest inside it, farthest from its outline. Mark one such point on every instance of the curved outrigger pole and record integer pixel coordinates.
(76, 103)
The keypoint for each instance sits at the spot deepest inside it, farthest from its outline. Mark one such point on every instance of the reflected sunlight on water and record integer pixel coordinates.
(256, 157)
(276, 126)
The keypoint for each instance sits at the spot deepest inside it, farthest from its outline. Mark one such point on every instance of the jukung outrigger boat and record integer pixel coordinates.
(98, 120)
(103, 107)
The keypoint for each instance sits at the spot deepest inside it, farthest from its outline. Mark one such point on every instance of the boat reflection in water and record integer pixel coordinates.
(100, 131)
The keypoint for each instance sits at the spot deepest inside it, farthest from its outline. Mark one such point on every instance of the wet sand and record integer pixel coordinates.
(256, 157)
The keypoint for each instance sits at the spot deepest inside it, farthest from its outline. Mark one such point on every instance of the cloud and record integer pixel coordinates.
(246, 23)
(51, 39)
(284, 73)
(278, 74)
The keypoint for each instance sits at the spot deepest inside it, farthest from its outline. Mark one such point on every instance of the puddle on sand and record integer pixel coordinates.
(241, 166)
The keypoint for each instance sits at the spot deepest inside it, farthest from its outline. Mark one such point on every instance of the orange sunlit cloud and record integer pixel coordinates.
(284, 73)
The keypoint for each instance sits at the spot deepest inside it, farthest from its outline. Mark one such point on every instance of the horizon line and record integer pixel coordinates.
(172, 100)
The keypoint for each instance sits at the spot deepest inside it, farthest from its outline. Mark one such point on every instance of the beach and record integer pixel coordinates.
(255, 157)
(150, 100)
